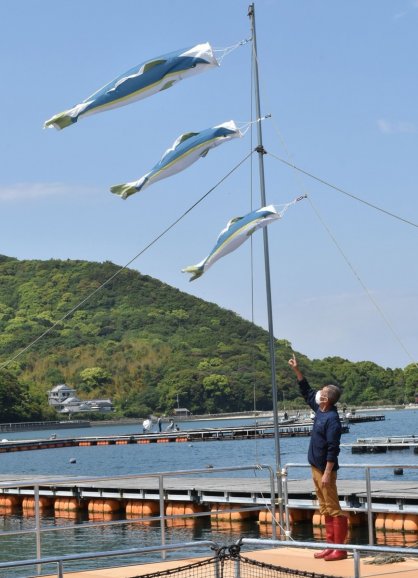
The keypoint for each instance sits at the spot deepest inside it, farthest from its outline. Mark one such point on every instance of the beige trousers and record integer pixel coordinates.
(329, 504)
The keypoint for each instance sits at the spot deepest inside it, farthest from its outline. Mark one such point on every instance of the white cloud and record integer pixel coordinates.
(396, 127)
(25, 191)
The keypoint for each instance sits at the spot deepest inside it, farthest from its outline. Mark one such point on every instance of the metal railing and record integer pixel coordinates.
(367, 473)
(61, 560)
(38, 530)
(355, 549)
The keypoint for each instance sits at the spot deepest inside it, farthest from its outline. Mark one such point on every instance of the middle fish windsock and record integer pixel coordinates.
(187, 149)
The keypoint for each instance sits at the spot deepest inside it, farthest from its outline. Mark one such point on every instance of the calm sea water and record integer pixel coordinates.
(142, 459)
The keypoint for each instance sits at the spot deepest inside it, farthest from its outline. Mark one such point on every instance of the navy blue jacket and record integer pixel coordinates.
(324, 445)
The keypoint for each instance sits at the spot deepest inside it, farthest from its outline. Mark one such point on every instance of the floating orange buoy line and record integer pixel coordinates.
(391, 528)
(203, 435)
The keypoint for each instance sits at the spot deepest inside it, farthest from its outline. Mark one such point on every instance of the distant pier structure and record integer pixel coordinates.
(354, 418)
(381, 445)
(42, 425)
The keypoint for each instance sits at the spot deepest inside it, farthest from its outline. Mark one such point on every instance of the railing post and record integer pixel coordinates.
(356, 556)
(286, 503)
(162, 514)
(37, 527)
(369, 507)
(273, 505)
(60, 570)
(237, 568)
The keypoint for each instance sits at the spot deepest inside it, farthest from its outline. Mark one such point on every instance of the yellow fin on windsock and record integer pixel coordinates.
(196, 270)
(124, 191)
(60, 120)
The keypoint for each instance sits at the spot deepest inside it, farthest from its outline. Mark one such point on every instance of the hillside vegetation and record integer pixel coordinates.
(146, 344)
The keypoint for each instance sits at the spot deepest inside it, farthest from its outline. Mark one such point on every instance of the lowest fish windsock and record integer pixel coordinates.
(238, 230)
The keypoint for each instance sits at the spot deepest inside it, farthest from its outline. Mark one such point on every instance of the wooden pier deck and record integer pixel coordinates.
(297, 558)
(207, 490)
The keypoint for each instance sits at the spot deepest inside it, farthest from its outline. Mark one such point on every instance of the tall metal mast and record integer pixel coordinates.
(260, 150)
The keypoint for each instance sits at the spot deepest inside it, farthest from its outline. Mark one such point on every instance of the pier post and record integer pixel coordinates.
(369, 506)
(37, 526)
(162, 514)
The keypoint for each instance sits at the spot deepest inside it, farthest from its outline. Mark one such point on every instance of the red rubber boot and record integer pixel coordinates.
(329, 533)
(340, 534)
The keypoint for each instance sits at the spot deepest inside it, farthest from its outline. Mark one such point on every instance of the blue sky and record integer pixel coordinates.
(340, 80)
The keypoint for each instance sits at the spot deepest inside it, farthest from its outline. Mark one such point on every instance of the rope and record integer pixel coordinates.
(298, 171)
(338, 189)
(285, 206)
(119, 271)
(366, 290)
(244, 127)
(222, 52)
(276, 128)
(386, 559)
(251, 127)
(328, 184)
(371, 205)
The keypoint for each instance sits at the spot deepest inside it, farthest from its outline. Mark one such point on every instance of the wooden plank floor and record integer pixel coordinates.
(207, 481)
(295, 558)
(208, 488)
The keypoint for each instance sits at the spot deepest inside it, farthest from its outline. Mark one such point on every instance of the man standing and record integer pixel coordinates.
(324, 448)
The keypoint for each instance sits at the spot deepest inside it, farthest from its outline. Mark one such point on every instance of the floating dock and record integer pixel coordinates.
(364, 418)
(43, 425)
(394, 505)
(381, 445)
(190, 436)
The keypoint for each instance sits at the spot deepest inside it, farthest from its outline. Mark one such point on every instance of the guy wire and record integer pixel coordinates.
(107, 281)
(338, 189)
(357, 276)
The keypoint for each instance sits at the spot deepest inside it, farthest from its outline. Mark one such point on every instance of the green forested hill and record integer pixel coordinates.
(143, 343)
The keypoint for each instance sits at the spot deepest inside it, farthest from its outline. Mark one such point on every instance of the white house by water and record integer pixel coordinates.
(64, 400)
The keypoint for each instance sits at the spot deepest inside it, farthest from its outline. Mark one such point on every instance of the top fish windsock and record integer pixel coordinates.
(187, 149)
(235, 233)
(139, 82)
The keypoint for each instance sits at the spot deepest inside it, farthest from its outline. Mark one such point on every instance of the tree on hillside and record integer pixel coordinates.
(411, 383)
(146, 345)
(94, 378)
(15, 402)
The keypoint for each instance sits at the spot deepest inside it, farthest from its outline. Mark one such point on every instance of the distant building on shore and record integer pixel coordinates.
(64, 400)
(181, 412)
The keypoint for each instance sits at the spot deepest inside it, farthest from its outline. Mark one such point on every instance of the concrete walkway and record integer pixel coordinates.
(295, 558)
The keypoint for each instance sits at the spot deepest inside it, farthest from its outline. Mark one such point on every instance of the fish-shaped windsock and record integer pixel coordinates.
(139, 82)
(235, 233)
(187, 149)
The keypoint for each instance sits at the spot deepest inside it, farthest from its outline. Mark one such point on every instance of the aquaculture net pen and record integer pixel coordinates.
(229, 563)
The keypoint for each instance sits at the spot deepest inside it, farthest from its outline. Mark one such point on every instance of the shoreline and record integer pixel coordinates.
(245, 415)
(22, 426)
